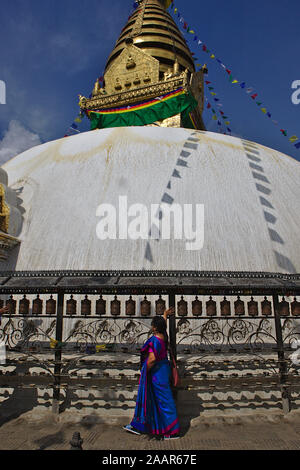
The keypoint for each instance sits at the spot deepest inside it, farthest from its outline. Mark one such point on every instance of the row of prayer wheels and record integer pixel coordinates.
(24, 306)
(240, 307)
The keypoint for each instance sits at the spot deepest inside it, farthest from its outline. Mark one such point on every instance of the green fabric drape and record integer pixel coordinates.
(146, 114)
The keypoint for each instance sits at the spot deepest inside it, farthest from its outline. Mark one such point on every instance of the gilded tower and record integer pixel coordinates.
(150, 60)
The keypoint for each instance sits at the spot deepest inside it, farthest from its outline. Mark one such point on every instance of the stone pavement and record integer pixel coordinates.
(269, 431)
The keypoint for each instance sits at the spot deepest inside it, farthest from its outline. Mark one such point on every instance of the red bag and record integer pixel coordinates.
(174, 376)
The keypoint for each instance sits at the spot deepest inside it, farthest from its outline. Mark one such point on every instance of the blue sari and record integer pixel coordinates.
(155, 411)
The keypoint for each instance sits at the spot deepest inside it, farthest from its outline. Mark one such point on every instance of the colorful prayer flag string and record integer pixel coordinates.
(223, 120)
(249, 90)
(74, 126)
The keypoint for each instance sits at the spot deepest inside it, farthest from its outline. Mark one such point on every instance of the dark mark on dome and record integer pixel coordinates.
(252, 152)
(166, 197)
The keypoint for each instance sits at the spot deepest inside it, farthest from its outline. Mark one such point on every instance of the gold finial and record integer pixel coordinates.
(176, 67)
(82, 100)
(96, 88)
(166, 3)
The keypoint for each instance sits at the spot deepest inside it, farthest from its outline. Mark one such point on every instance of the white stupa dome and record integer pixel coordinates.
(250, 193)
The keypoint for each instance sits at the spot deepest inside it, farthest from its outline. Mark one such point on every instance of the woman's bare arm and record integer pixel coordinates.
(169, 311)
(151, 360)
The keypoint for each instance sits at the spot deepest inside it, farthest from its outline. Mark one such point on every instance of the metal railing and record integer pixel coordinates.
(62, 323)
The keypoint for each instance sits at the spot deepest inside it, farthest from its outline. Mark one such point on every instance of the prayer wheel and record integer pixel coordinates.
(24, 306)
(160, 306)
(71, 306)
(266, 307)
(239, 307)
(197, 307)
(11, 304)
(86, 306)
(130, 307)
(37, 306)
(284, 308)
(115, 307)
(145, 308)
(252, 308)
(211, 308)
(225, 308)
(182, 307)
(295, 307)
(100, 306)
(51, 306)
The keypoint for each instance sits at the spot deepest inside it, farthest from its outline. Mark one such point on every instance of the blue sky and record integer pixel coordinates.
(52, 50)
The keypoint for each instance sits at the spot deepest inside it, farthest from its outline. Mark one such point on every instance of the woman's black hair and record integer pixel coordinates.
(161, 326)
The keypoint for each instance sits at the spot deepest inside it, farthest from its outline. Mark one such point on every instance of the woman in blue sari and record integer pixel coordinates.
(155, 411)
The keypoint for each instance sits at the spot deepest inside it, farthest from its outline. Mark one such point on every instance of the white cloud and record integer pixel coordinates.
(16, 140)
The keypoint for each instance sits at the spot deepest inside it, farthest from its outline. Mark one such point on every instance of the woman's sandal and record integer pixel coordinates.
(131, 429)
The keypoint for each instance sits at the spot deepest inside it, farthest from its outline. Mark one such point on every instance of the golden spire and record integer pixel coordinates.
(152, 29)
(150, 58)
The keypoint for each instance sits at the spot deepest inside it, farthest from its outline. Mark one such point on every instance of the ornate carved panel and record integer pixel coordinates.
(132, 69)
